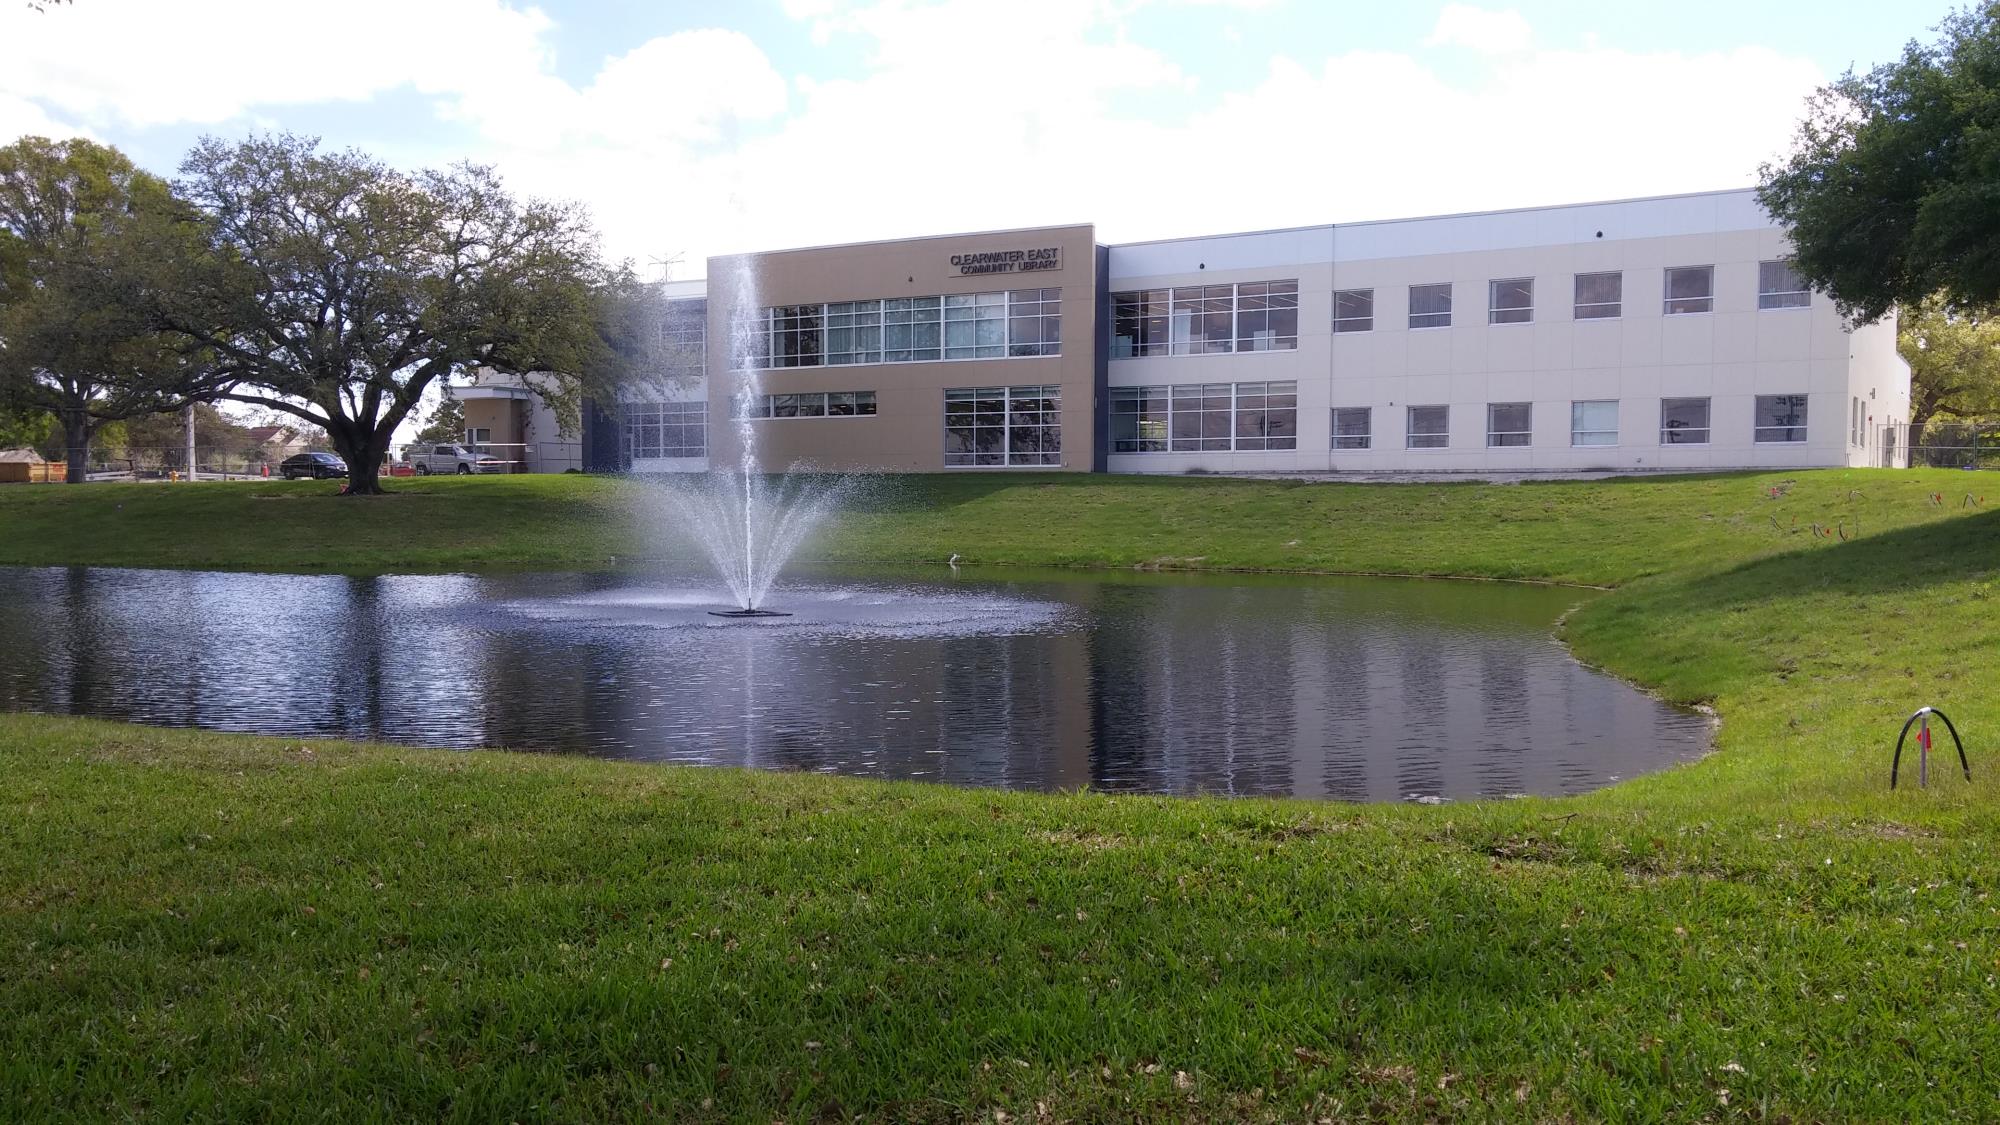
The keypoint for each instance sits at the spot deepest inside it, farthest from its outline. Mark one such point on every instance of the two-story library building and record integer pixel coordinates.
(1645, 334)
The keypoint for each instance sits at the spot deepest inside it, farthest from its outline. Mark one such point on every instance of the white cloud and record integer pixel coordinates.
(205, 61)
(1488, 32)
(971, 116)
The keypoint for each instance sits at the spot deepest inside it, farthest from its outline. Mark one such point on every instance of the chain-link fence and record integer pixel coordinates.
(170, 462)
(1940, 445)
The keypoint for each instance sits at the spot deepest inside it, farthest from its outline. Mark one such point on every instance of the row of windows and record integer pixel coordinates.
(810, 404)
(1597, 296)
(1255, 316)
(1683, 421)
(1021, 322)
(1000, 426)
(666, 429)
(1204, 416)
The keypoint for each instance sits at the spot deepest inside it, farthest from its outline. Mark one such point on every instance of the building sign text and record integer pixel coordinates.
(1009, 261)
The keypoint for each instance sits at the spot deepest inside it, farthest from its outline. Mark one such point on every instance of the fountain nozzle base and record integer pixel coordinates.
(747, 613)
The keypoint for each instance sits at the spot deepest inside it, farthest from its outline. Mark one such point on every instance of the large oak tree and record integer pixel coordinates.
(1892, 191)
(349, 288)
(84, 238)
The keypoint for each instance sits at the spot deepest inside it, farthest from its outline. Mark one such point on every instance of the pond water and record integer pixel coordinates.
(1347, 688)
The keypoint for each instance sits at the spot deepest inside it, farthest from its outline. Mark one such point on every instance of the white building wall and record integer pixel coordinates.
(1729, 355)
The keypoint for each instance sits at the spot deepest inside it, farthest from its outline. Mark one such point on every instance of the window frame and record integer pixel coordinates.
(764, 407)
(1527, 435)
(1801, 427)
(1046, 409)
(1578, 304)
(654, 420)
(1366, 436)
(1352, 323)
(1497, 313)
(1414, 315)
(1575, 432)
(1411, 433)
(1775, 300)
(1669, 436)
(1668, 300)
(1210, 417)
(904, 330)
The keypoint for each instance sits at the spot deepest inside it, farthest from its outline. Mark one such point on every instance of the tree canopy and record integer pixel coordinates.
(345, 289)
(84, 237)
(1954, 359)
(446, 423)
(1892, 191)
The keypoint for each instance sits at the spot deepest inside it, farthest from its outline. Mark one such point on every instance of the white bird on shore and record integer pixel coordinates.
(953, 560)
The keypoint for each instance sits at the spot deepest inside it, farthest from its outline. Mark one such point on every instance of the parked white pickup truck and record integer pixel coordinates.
(428, 459)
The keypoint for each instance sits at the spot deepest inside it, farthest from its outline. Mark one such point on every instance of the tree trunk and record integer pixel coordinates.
(76, 439)
(363, 452)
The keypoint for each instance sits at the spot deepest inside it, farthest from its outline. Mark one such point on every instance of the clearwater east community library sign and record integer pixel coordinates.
(1008, 261)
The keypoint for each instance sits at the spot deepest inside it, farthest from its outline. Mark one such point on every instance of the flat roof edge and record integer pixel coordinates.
(1092, 227)
(1715, 193)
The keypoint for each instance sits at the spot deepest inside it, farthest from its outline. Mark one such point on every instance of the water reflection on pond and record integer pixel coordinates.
(1359, 689)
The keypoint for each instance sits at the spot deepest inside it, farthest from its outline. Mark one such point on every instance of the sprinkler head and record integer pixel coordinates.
(747, 613)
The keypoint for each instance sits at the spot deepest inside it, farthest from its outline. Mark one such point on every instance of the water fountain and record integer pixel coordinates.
(747, 522)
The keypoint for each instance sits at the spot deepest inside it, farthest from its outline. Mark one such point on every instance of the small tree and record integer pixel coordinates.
(1954, 362)
(84, 234)
(1889, 194)
(446, 423)
(351, 288)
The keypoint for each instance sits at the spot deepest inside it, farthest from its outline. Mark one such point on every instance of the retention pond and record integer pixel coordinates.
(1348, 688)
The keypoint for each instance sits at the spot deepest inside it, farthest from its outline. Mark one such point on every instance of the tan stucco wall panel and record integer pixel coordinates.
(907, 432)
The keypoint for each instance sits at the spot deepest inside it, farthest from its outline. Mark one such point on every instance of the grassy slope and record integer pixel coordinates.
(367, 930)
(1581, 531)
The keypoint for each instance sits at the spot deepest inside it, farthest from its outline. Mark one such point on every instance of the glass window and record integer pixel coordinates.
(1267, 416)
(1510, 301)
(854, 332)
(1139, 323)
(1600, 296)
(815, 404)
(1781, 418)
(1203, 417)
(1593, 423)
(1428, 427)
(1683, 421)
(1690, 289)
(1354, 310)
(666, 429)
(1003, 426)
(1854, 427)
(1779, 286)
(1034, 322)
(1204, 319)
(684, 338)
(1139, 419)
(1430, 305)
(1267, 316)
(912, 329)
(1350, 427)
(975, 326)
(1509, 423)
(797, 336)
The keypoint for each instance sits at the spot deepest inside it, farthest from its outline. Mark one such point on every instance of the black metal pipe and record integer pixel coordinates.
(1897, 761)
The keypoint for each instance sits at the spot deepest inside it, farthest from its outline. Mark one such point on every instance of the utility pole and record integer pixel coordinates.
(188, 414)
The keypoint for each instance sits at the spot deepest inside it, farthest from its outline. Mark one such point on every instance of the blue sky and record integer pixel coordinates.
(708, 127)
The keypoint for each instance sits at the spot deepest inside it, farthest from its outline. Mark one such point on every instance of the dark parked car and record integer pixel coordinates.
(314, 465)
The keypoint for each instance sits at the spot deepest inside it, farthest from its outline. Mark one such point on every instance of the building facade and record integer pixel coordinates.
(1646, 334)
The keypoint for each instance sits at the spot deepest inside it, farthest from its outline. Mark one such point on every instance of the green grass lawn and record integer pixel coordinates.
(196, 925)
(1601, 533)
